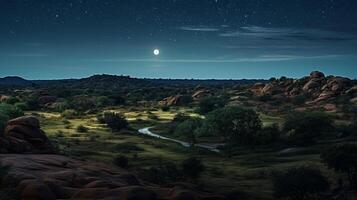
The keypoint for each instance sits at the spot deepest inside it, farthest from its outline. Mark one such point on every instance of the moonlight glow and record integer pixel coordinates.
(156, 52)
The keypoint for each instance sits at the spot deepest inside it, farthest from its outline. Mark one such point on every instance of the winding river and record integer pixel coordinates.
(210, 147)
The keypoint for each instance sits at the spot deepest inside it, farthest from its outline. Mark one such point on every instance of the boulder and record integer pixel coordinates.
(317, 74)
(352, 91)
(24, 135)
(257, 89)
(201, 94)
(43, 100)
(171, 101)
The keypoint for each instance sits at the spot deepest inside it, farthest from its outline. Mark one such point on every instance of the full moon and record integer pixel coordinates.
(156, 52)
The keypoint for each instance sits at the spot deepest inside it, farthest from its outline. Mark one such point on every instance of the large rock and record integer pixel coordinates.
(317, 74)
(201, 94)
(317, 87)
(58, 177)
(24, 135)
(171, 101)
(47, 99)
(257, 89)
(352, 91)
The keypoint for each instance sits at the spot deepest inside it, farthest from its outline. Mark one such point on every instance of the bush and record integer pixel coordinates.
(306, 128)
(82, 129)
(165, 173)
(192, 167)
(189, 129)
(70, 114)
(10, 111)
(121, 161)
(127, 147)
(343, 158)
(209, 104)
(165, 108)
(152, 116)
(115, 121)
(32, 104)
(236, 125)
(180, 117)
(302, 183)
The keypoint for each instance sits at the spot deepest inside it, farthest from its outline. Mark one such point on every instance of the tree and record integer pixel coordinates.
(209, 104)
(235, 124)
(10, 110)
(115, 121)
(180, 117)
(192, 167)
(189, 129)
(301, 183)
(343, 158)
(306, 128)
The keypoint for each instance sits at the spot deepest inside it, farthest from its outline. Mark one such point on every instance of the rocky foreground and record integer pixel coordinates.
(31, 174)
(50, 177)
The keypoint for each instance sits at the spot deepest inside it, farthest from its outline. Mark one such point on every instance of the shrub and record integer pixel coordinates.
(192, 167)
(21, 105)
(121, 161)
(302, 183)
(152, 116)
(32, 104)
(10, 110)
(189, 129)
(82, 129)
(343, 158)
(180, 117)
(268, 135)
(12, 100)
(185, 100)
(115, 121)
(70, 114)
(167, 172)
(209, 104)
(306, 128)
(165, 108)
(236, 125)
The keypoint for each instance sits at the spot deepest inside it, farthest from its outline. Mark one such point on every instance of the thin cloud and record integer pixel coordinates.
(199, 28)
(287, 33)
(262, 58)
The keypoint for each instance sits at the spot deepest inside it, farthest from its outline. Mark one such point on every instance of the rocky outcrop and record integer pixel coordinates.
(47, 99)
(316, 86)
(201, 94)
(171, 101)
(24, 135)
(50, 177)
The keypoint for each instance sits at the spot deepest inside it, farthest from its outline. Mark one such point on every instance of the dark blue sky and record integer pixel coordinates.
(45, 39)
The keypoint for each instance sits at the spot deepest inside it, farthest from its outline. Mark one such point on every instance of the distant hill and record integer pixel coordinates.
(14, 81)
(114, 81)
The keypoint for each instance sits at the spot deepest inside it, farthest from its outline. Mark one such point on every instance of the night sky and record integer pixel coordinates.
(47, 39)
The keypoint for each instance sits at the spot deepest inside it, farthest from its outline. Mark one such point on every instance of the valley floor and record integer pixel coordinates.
(245, 173)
